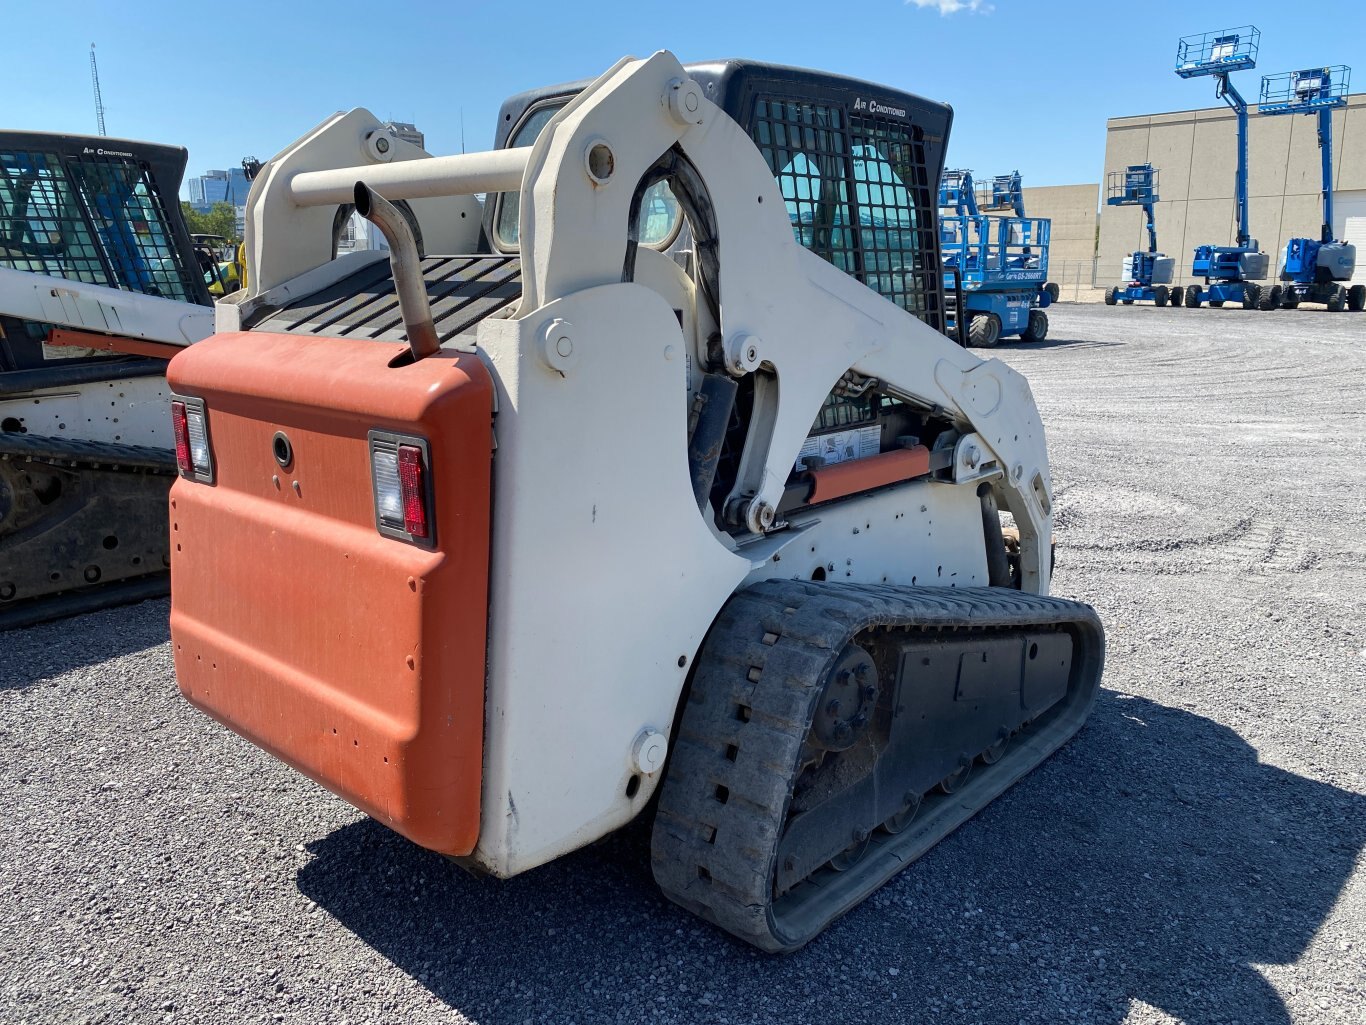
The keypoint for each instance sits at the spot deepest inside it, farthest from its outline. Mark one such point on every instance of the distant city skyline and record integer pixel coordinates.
(204, 190)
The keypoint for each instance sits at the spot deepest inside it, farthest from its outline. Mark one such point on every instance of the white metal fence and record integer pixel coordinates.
(1076, 280)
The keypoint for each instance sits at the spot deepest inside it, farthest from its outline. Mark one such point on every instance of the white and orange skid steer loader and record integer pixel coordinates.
(651, 482)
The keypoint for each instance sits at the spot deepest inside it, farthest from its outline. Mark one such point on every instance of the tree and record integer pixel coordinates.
(220, 220)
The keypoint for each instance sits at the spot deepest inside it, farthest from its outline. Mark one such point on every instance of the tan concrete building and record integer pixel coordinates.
(1071, 251)
(1195, 153)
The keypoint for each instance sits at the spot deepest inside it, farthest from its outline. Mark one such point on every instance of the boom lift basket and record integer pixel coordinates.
(1134, 186)
(1218, 52)
(1304, 92)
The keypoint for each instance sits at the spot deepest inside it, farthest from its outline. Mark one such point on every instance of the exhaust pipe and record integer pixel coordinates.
(406, 266)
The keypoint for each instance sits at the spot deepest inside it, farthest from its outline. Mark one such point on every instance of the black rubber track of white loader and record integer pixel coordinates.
(80, 454)
(91, 457)
(724, 802)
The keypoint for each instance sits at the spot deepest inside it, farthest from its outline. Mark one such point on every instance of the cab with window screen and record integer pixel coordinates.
(858, 168)
(99, 211)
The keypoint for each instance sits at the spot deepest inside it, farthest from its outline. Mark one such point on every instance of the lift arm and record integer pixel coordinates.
(1326, 160)
(1218, 54)
(1136, 185)
(1015, 191)
(1226, 91)
(1317, 91)
(969, 196)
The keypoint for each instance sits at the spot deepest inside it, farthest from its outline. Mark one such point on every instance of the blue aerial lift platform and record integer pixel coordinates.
(1314, 268)
(1147, 273)
(1001, 262)
(1230, 272)
(1006, 192)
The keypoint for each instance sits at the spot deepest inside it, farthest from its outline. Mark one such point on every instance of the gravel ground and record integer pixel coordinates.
(1195, 855)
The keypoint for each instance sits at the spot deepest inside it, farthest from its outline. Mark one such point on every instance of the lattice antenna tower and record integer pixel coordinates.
(95, 81)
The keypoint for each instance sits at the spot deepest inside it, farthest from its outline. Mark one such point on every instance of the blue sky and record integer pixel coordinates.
(228, 79)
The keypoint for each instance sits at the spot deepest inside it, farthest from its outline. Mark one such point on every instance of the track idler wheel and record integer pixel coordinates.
(992, 754)
(853, 854)
(954, 780)
(896, 823)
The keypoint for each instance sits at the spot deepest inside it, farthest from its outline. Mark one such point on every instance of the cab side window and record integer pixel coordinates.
(659, 210)
(857, 194)
(804, 146)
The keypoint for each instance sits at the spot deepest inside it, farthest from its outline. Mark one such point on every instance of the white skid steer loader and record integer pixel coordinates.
(652, 483)
(100, 285)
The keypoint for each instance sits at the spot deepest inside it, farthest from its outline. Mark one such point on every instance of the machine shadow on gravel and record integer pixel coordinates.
(1051, 343)
(51, 649)
(1154, 858)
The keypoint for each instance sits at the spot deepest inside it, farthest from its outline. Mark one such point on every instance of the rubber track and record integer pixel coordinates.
(79, 454)
(88, 599)
(98, 456)
(724, 801)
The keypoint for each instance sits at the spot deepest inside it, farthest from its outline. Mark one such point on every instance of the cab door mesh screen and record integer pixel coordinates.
(858, 195)
(97, 219)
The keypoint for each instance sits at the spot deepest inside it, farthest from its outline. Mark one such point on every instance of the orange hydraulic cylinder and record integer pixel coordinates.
(840, 479)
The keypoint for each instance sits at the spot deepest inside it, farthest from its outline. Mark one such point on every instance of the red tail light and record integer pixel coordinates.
(410, 478)
(400, 468)
(180, 424)
(193, 454)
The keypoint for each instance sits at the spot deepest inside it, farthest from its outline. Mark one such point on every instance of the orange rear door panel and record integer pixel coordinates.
(354, 657)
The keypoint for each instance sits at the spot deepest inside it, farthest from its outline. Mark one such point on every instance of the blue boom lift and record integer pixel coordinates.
(1147, 274)
(1002, 262)
(1229, 271)
(1003, 192)
(1313, 268)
